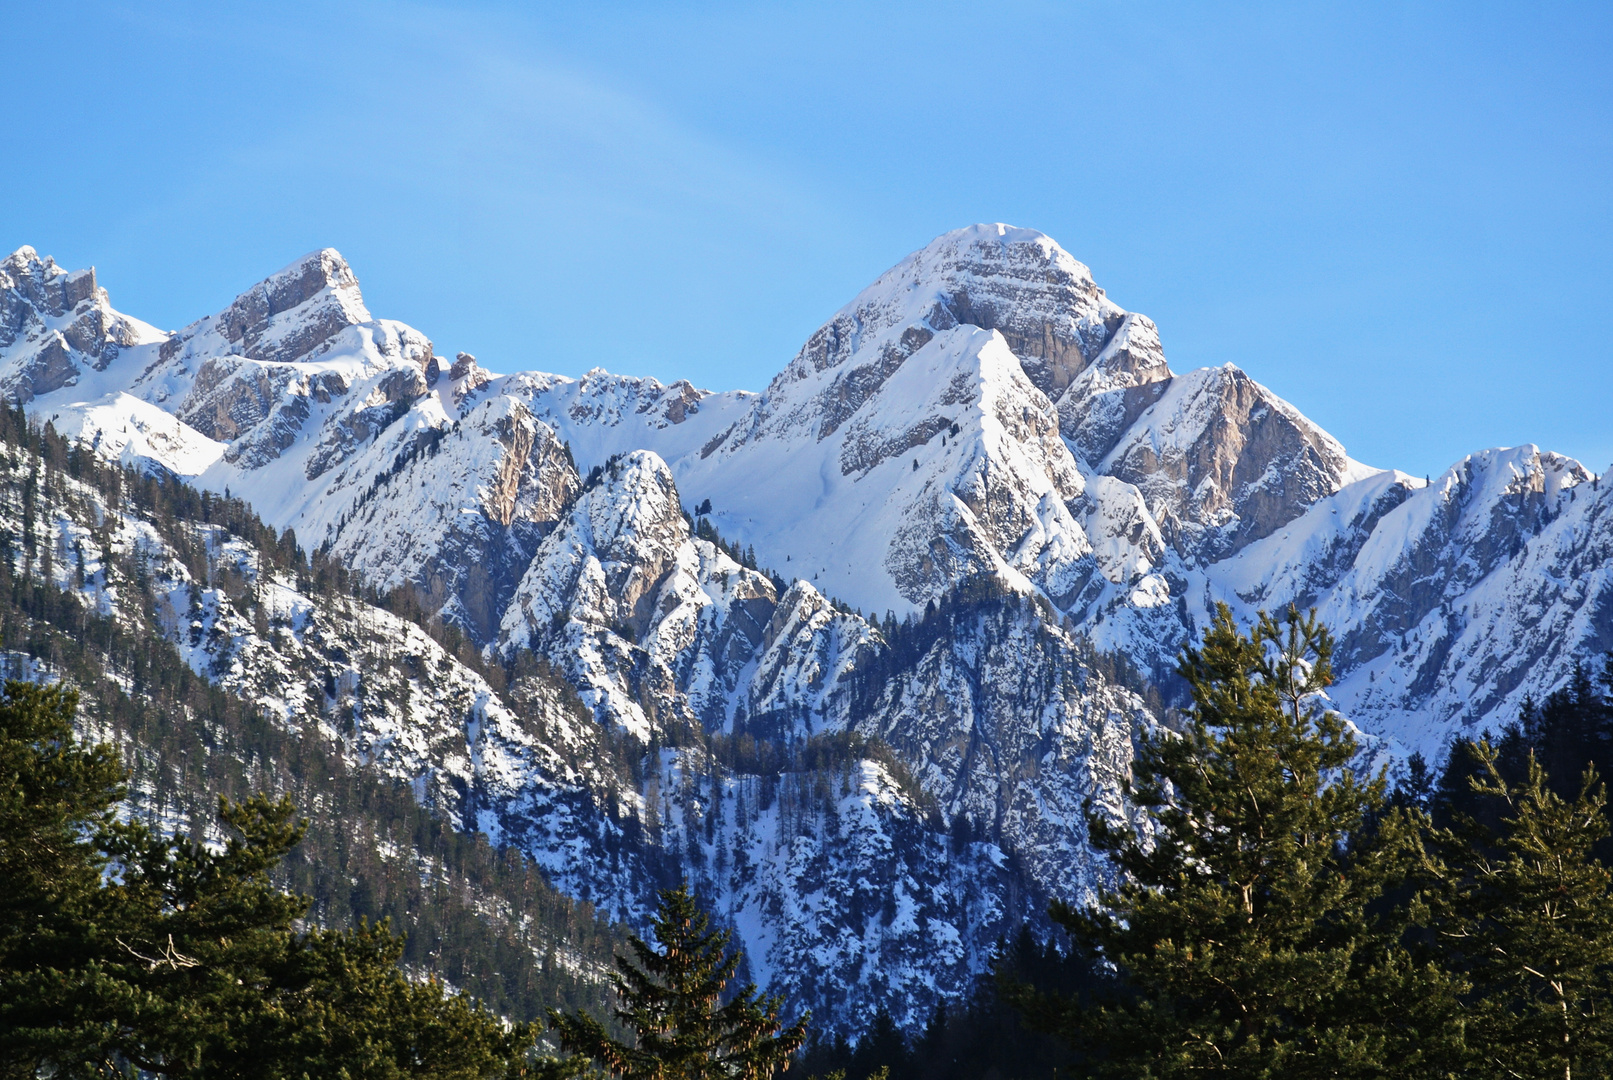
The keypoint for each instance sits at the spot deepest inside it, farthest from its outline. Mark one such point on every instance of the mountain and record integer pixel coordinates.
(220, 664)
(852, 653)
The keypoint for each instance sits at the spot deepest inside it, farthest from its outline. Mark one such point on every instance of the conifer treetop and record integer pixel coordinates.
(1242, 931)
(1525, 913)
(671, 997)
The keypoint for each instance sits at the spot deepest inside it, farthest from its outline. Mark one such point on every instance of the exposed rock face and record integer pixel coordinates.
(294, 315)
(981, 430)
(946, 455)
(467, 377)
(56, 325)
(1106, 399)
(296, 392)
(461, 515)
(1221, 462)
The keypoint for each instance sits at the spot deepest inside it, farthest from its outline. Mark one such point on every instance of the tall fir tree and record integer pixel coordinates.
(1524, 912)
(1248, 933)
(671, 998)
(122, 951)
(56, 800)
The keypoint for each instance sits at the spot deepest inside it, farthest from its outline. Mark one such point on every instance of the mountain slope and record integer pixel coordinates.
(361, 711)
(887, 590)
(92, 557)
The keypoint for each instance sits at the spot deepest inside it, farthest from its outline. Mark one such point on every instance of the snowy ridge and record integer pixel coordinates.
(1460, 598)
(602, 414)
(984, 460)
(846, 891)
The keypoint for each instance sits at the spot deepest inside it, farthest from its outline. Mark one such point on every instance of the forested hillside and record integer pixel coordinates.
(78, 604)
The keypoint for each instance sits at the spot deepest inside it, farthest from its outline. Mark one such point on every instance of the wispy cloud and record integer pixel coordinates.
(472, 111)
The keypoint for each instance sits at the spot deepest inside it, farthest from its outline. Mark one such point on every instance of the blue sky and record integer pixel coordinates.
(1396, 216)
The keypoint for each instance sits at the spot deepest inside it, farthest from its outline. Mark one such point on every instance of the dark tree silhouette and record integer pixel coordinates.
(672, 999)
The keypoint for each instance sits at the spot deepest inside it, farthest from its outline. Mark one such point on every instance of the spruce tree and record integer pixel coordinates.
(1524, 912)
(882, 1046)
(1568, 731)
(56, 798)
(123, 951)
(671, 998)
(1245, 933)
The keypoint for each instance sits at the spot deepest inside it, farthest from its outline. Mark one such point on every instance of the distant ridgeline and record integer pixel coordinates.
(83, 589)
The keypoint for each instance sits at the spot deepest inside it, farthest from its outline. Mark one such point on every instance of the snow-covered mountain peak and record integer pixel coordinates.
(292, 315)
(996, 277)
(978, 255)
(51, 289)
(321, 269)
(304, 279)
(981, 440)
(25, 261)
(57, 327)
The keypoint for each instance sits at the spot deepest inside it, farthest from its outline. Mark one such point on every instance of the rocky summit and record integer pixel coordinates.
(852, 654)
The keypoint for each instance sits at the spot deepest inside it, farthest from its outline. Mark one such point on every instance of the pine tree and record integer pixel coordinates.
(882, 1046)
(1525, 913)
(671, 997)
(1243, 933)
(56, 797)
(122, 951)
